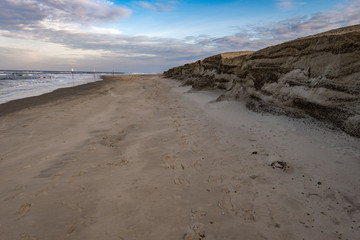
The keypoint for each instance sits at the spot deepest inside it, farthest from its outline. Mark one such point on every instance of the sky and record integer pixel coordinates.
(153, 36)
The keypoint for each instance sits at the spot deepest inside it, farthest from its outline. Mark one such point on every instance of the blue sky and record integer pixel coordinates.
(152, 36)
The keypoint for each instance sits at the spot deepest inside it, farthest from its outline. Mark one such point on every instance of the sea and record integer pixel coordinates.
(21, 84)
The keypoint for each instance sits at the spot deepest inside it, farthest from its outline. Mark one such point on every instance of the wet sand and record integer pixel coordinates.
(139, 157)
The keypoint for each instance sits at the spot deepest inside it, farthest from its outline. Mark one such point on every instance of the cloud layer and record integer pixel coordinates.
(254, 37)
(29, 19)
(27, 13)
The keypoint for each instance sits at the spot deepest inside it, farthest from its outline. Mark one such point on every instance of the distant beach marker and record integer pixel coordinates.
(72, 73)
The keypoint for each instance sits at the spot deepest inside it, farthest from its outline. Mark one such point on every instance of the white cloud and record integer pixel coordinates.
(157, 6)
(105, 30)
(20, 13)
(107, 2)
(288, 4)
(84, 10)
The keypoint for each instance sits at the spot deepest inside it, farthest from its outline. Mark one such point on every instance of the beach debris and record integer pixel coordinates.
(254, 153)
(280, 164)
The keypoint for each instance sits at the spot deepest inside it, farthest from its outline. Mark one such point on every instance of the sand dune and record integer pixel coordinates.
(138, 157)
(317, 75)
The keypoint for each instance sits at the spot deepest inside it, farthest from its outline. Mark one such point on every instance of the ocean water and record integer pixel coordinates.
(22, 84)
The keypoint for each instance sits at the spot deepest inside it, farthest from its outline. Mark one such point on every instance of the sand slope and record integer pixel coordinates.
(137, 157)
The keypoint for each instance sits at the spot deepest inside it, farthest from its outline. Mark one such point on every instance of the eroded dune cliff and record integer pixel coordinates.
(318, 75)
(218, 71)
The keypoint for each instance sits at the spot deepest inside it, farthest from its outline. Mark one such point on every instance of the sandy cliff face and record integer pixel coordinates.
(318, 75)
(218, 71)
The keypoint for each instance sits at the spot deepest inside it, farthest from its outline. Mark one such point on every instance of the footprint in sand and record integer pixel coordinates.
(56, 176)
(226, 205)
(169, 161)
(45, 190)
(248, 212)
(197, 214)
(197, 165)
(215, 179)
(79, 174)
(13, 196)
(25, 236)
(25, 208)
(72, 228)
(76, 223)
(195, 232)
(118, 164)
(181, 180)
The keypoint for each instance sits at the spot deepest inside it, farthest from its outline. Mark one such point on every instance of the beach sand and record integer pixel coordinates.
(140, 157)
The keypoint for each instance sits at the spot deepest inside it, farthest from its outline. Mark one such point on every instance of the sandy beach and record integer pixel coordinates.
(141, 157)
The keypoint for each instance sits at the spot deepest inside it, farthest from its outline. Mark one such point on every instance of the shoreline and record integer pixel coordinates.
(140, 157)
(56, 95)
